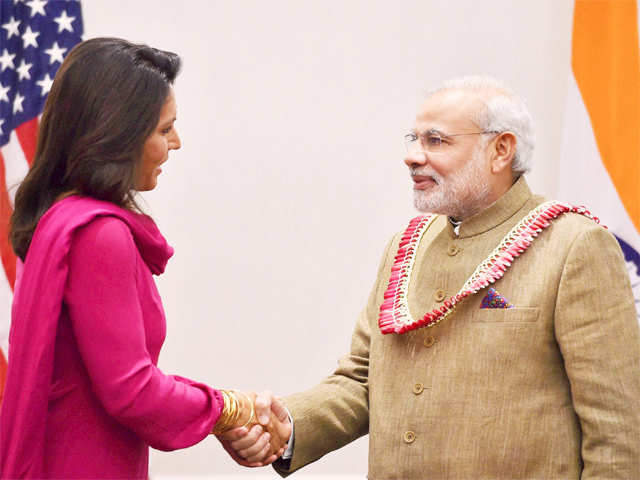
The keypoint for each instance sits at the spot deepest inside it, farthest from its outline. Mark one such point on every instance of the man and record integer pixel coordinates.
(534, 376)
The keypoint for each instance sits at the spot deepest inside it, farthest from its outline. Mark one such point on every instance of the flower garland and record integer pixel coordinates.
(394, 310)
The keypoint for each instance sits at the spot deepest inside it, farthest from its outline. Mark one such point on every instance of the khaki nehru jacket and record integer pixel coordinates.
(549, 389)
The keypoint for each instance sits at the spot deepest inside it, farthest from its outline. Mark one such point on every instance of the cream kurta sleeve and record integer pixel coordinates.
(597, 330)
(336, 411)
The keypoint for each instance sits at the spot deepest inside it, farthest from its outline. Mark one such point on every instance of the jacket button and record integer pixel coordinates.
(453, 250)
(418, 388)
(429, 340)
(409, 437)
(440, 295)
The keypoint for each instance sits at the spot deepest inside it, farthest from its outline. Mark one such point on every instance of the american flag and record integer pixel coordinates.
(35, 36)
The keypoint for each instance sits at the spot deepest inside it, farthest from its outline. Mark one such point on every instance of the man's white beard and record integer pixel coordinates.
(462, 195)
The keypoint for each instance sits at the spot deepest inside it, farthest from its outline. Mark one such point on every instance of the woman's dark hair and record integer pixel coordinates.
(105, 101)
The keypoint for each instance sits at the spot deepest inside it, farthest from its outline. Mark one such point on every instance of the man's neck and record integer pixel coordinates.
(455, 224)
(496, 193)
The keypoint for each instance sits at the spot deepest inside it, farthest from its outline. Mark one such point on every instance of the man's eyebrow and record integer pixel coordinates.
(432, 131)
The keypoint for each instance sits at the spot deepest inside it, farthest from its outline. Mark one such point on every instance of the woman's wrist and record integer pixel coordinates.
(238, 411)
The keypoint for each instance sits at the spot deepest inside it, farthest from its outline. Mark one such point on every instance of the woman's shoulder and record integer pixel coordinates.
(104, 233)
(104, 244)
(74, 220)
(70, 213)
(93, 227)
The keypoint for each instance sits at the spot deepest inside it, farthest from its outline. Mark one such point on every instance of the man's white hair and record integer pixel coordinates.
(504, 111)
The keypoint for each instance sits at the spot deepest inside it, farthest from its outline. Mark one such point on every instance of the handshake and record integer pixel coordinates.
(253, 428)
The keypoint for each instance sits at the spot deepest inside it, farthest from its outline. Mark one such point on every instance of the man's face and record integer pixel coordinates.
(452, 178)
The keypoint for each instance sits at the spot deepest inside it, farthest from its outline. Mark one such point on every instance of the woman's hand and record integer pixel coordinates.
(265, 438)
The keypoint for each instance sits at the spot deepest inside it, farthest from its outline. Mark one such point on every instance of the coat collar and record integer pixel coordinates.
(497, 213)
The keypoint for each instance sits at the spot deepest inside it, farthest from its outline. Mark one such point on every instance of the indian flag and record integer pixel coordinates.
(600, 161)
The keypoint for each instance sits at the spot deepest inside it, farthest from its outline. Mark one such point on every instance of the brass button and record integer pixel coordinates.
(429, 340)
(409, 437)
(418, 388)
(440, 295)
(453, 250)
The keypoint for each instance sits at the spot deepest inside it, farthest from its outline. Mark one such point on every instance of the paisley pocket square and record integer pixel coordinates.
(494, 300)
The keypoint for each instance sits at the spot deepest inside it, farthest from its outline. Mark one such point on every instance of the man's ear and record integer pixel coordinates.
(503, 151)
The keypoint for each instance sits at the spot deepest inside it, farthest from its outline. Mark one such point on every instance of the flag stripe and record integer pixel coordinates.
(609, 31)
(16, 165)
(6, 252)
(27, 136)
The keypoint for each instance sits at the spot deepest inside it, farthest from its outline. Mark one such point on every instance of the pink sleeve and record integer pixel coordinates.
(101, 294)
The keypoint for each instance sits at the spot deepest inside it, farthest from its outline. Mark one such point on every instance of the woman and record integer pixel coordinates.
(84, 398)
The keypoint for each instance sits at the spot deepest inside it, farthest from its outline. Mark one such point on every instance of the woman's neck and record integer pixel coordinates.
(64, 195)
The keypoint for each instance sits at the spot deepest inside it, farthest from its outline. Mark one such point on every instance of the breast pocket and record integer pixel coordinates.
(506, 315)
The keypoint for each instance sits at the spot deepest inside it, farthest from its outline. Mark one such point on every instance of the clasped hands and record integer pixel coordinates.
(253, 428)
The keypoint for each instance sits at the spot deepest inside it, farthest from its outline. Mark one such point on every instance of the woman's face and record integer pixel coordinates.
(155, 152)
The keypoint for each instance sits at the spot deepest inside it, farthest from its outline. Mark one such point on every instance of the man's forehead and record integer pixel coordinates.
(446, 109)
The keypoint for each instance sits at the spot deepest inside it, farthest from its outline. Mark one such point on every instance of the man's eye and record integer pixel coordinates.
(411, 137)
(434, 140)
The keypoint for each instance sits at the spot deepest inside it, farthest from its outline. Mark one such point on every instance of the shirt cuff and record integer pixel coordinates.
(288, 453)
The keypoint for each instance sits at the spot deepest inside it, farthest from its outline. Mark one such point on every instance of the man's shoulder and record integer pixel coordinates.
(569, 226)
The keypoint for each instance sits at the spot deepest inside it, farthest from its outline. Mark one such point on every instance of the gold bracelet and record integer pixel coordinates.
(231, 412)
(253, 412)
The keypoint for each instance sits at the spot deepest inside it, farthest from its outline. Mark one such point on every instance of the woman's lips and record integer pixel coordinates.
(159, 169)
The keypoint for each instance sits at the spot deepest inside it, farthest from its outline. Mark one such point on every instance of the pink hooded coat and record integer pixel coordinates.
(84, 397)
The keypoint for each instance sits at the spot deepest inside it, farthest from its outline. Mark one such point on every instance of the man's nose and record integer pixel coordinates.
(415, 157)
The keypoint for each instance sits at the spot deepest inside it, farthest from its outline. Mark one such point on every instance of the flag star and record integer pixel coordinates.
(3, 94)
(29, 38)
(37, 7)
(11, 27)
(17, 103)
(6, 61)
(56, 53)
(64, 22)
(23, 70)
(45, 84)
(1, 122)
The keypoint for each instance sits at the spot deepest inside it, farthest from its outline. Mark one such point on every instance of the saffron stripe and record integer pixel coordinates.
(606, 67)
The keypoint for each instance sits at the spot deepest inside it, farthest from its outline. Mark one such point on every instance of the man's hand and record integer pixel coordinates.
(262, 443)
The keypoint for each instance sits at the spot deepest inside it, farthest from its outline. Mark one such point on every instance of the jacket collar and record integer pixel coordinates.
(497, 213)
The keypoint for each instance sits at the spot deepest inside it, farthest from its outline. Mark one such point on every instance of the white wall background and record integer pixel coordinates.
(290, 179)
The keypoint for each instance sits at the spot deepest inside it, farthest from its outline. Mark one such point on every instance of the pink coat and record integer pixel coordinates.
(84, 397)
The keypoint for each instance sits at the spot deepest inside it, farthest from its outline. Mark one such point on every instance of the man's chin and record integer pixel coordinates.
(427, 205)
(437, 208)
